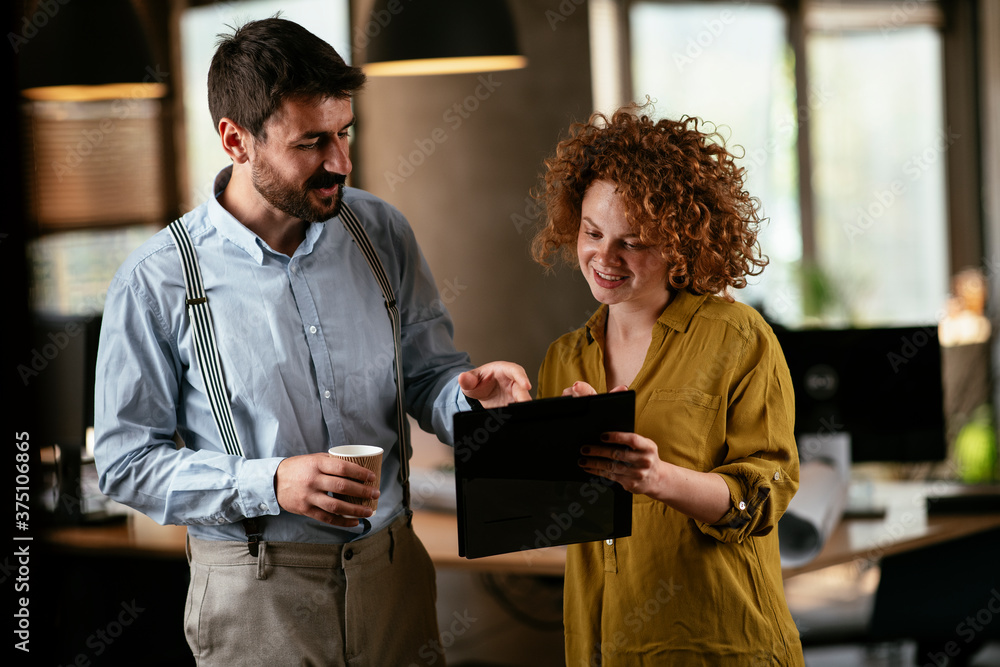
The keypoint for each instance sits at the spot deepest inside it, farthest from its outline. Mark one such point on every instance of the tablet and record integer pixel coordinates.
(518, 484)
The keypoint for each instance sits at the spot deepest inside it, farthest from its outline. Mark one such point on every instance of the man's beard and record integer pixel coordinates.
(293, 201)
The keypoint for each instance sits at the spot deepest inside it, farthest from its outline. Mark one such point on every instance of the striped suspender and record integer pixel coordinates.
(360, 236)
(210, 363)
(208, 360)
(204, 337)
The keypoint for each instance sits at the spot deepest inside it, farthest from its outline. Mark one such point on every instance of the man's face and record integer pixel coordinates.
(301, 168)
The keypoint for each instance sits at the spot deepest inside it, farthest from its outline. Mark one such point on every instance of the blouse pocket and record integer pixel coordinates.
(680, 421)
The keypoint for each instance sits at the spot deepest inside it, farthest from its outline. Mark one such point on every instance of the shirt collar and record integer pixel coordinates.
(241, 236)
(597, 325)
(681, 309)
(677, 315)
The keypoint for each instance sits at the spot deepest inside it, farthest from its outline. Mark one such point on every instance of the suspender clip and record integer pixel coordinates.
(252, 529)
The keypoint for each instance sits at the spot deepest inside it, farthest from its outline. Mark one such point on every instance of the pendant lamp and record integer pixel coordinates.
(83, 51)
(413, 37)
(92, 116)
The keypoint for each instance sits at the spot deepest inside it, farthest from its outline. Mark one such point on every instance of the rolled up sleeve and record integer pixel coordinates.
(761, 466)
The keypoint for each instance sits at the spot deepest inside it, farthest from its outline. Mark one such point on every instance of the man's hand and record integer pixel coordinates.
(302, 483)
(496, 384)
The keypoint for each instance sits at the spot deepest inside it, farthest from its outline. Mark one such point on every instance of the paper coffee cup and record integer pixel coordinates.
(364, 455)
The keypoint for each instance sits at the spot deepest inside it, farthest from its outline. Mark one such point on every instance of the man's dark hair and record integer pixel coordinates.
(264, 62)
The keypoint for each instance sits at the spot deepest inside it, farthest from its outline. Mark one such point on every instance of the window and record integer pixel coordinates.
(843, 137)
(878, 141)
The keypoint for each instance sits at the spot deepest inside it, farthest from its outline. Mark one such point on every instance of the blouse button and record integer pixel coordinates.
(777, 476)
(312, 330)
(326, 394)
(743, 505)
(609, 542)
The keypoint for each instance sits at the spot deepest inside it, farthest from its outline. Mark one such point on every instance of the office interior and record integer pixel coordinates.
(869, 130)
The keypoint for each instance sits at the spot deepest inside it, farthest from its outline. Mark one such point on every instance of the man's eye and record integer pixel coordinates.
(309, 147)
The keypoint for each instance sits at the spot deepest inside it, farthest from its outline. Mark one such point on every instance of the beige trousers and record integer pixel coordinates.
(364, 603)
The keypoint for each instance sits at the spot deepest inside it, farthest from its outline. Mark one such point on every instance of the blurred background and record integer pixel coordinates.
(870, 132)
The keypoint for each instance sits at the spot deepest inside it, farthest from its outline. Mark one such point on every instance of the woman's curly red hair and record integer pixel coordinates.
(681, 190)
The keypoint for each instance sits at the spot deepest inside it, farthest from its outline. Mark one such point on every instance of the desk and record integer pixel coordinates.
(905, 527)
(96, 568)
(439, 533)
(140, 536)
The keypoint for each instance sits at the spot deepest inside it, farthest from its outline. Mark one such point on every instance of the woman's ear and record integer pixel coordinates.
(236, 141)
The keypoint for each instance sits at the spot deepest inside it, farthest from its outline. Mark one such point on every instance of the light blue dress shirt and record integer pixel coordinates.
(307, 353)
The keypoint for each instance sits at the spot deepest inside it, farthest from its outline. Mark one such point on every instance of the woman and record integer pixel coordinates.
(662, 229)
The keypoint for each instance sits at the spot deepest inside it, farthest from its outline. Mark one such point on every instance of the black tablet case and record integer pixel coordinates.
(519, 485)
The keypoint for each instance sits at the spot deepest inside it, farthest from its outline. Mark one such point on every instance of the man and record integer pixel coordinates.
(307, 354)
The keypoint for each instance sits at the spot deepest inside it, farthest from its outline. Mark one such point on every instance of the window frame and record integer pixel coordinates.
(956, 21)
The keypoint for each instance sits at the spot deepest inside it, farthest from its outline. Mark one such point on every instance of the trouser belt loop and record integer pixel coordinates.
(261, 562)
(392, 541)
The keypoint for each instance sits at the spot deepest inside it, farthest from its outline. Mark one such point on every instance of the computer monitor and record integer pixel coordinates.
(881, 386)
(59, 376)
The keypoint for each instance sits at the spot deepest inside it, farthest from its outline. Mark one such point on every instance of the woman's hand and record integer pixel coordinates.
(580, 388)
(630, 459)
(634, 462)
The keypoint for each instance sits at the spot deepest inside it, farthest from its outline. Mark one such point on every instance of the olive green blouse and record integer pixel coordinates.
(715, 394)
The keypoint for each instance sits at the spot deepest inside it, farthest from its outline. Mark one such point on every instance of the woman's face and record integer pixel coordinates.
(619, 269)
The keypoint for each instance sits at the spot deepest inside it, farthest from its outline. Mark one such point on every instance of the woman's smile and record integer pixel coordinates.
(617, 266)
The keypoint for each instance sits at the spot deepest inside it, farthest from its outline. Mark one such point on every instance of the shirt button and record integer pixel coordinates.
(221, 520)
(348, 555)
(609, 542)
(743, 505)
(312, 329)
(263, 506)
(326, 394)
(777, 476)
